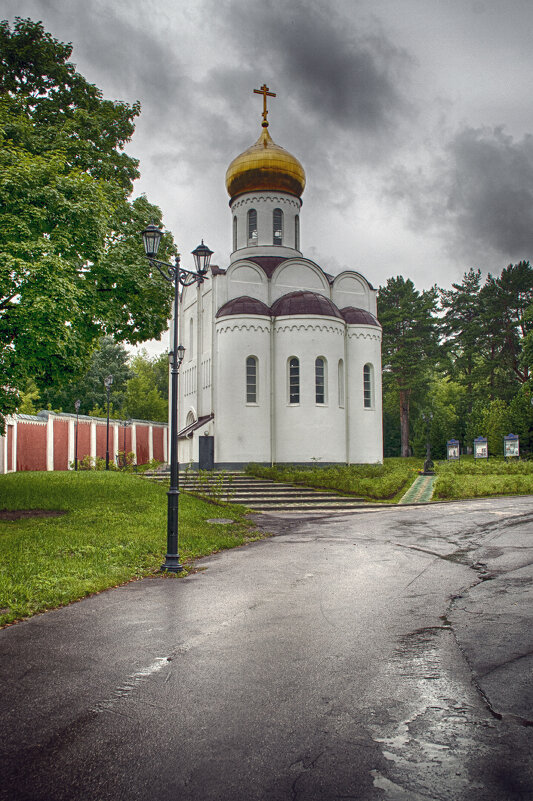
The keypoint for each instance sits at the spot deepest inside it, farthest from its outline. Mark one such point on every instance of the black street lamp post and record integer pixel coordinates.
(175, 274)
(124, 459)
(427, 417)
(77, 405)
(107, 383)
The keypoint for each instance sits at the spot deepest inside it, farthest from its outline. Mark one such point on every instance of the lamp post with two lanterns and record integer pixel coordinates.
(174, 274)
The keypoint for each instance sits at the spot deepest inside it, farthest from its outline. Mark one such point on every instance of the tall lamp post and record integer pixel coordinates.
(174, 274)
(427, 417)
(124, 459)
(77, 405)
(107, 383)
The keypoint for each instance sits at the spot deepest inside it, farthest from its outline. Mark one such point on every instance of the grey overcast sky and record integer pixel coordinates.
(412, 119)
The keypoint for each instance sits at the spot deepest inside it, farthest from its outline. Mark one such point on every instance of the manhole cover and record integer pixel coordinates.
(220, 520)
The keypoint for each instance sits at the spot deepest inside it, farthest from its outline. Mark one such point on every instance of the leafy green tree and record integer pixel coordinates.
(496, 425)
(72, 266)
(410, 343)
(30, 401)
(442, 400)
(144, 399)
(109, 358)
(521, 418)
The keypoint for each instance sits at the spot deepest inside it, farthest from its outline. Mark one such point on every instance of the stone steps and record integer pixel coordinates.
(261, 495)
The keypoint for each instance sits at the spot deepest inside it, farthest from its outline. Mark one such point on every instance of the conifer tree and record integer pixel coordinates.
(410, 346)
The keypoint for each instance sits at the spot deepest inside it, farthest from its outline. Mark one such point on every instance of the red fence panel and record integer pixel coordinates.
(101, 432)
(31, 445)
(143, 455)
(158, 434)
(84, 439)
(61, 444)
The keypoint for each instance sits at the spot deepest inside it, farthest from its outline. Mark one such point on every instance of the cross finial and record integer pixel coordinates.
(264, 91)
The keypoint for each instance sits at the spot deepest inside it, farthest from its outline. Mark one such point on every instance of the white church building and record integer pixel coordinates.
(282, 361)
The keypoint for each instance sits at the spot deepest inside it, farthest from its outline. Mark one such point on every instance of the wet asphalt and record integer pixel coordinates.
(380, 654)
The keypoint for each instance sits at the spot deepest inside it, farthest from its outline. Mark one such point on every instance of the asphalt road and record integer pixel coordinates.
(375, 655)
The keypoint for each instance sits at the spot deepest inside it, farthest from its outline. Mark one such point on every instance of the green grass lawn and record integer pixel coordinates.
(373, 482)
(113, 530)
(480, 478)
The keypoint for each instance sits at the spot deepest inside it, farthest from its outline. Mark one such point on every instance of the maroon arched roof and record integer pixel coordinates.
(304, 302)
(355, 316)
(243, 305)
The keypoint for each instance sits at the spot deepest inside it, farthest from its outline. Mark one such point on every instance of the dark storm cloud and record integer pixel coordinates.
(340, 83)
(126, 54)
(491, 196)
(478, 193)
(331, 66)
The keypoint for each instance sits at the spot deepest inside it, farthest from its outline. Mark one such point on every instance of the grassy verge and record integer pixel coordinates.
(373, 482)
(114, 530)
(474, 478)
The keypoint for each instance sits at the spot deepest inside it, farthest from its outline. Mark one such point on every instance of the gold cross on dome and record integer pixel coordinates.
(264, 91)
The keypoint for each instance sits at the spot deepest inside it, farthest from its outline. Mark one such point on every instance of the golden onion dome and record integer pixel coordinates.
(265, 166)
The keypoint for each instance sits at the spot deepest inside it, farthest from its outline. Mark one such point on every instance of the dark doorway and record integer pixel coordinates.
(206, 454)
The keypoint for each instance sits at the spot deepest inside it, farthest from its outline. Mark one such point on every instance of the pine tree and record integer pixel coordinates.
(410, 343)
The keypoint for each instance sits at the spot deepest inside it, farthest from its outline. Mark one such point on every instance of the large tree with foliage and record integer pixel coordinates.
(71, 260)
(504, 304)
(109, 358)
(146, 395)
(463, 329)
(410, 343)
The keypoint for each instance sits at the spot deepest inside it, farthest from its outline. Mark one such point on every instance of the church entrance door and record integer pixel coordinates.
(206, 453)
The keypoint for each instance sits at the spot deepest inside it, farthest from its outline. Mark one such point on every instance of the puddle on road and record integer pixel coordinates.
(433, 723)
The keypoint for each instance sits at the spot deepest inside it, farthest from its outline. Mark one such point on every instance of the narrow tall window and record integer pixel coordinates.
(320, 380)
(191, 338)
(341, 383)
(368, 399)
(235, 233)
(294, 380)
(251, 379)
(297, 232)
(252, 227)
(277, 234)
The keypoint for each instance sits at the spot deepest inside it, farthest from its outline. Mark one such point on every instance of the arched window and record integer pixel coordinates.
(235, 233)
(190, 419)
(251, 379)
(252, 227)
(368, 386)
(294, 380)
(297, 232)
(320, 380)
(341, 383)
(277, 233)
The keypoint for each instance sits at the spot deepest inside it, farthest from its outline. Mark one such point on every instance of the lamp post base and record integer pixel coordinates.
(172, 564)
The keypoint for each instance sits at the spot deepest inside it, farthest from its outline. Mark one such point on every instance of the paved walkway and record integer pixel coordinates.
(420, 491)
(379, 655)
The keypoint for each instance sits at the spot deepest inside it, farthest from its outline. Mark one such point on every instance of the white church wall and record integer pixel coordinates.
(365, 435)
(205, 368)
(351, 289)
(295, 275)
(307, 430)
(244, 278)
(242, 432)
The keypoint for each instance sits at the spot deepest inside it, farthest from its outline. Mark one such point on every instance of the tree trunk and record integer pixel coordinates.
(404, 420)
